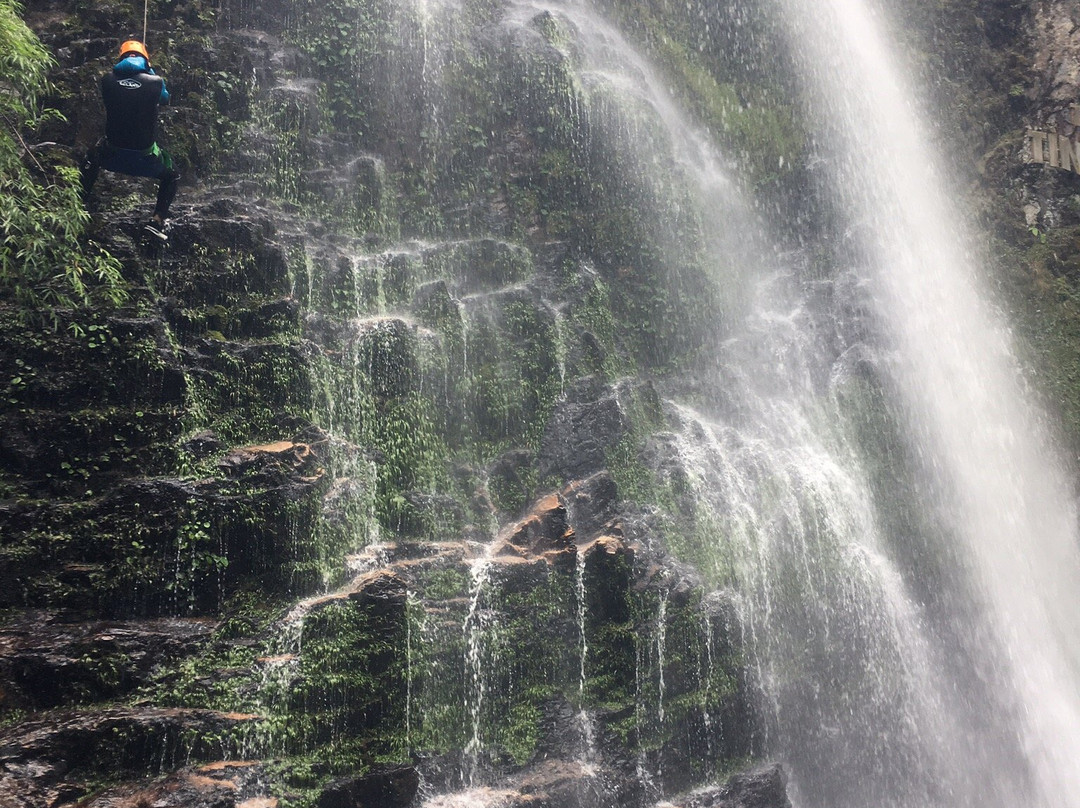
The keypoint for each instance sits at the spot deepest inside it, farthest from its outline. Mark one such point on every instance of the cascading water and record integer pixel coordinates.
(993, 478)
(821, 602)
(661, 650)
(620, 99)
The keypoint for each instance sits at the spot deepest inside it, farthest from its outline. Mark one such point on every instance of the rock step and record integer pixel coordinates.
(47, 661)
(115, 552)
(222, 784)
(49, 760)
(763, 787)
(90, 447)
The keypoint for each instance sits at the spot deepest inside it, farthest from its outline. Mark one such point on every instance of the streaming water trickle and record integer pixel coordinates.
(413, 611)
(481, 797)
(617, 97)
(641, 714)
(428, 68)
(999, 624)
(705, 675)
(477, 622)
(560, 346)
(585, 719)
(661, 649)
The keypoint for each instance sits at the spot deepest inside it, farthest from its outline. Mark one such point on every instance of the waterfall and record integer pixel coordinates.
(836, 639)
(661, 648)
(996, 482)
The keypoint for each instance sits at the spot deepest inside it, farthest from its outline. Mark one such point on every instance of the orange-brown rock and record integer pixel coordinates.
(292, 457)
(606, 544)
(544, 532)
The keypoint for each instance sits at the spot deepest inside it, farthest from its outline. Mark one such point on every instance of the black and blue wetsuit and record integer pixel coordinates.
(132, 93)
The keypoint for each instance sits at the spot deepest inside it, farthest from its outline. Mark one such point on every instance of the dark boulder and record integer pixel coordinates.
(761, 788)
(434, 306)
(224, 784)
(392, 787)
(382, 593)
(203, 444)
(274, 462)
(43, 762)
(591, 502)
(587, 424)
(569, 784)
(509, 480)
(544, 532)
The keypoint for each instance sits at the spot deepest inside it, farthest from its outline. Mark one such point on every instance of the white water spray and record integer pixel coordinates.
(998, 480)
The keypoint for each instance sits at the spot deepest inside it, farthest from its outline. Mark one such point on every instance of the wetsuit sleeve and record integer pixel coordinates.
(164, 97)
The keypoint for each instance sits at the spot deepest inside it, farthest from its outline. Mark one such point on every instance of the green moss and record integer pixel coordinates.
(445, 584)
(521, 732)
(334, 710)
(251, 393)
(285, 120)
(343, 40)
(535, 358)
(479, 264)
(1044, 278)
(591, 313)
(412, 454)
(513, 376)
(635, 482)
(89, 448)
(523, 646)
(510, 493)
(753, 122)
(395, 396)
(350, 683)
(526, 660)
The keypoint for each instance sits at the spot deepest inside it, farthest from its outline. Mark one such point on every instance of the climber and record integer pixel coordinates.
(132, 93)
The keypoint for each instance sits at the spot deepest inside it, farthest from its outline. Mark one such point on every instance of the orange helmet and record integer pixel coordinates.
(134, 46)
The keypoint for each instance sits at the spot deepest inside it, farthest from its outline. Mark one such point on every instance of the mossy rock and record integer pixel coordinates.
(479, 266)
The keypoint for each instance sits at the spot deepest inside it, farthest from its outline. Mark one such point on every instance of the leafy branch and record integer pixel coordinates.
(43, 264)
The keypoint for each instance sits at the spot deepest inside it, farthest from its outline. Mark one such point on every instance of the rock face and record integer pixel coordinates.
(587, 423)
(46, 661)
(222, 784)
(339, 500)
(49, 762)
(1031, 206)
(372, 466)
(1056, 65)
(369, 469)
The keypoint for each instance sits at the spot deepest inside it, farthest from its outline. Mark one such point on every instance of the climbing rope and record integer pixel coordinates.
(145, 12)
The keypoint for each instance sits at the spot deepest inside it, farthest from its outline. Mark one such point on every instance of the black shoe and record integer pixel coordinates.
(157, 231)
